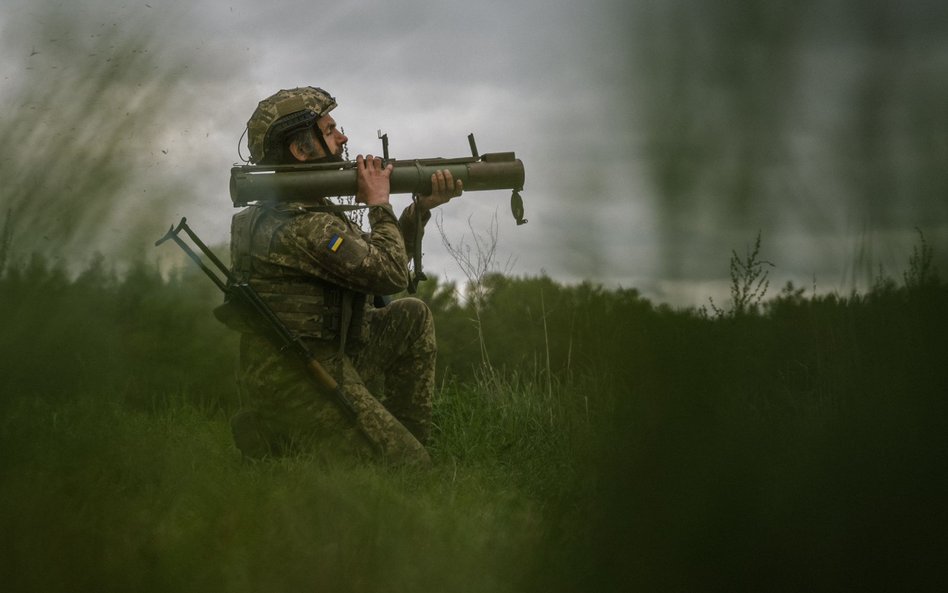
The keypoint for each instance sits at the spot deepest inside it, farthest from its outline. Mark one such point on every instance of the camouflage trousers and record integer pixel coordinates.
(389, 378)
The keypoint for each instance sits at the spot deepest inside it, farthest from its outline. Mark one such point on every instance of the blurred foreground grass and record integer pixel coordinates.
(98, 498)
(606, 444)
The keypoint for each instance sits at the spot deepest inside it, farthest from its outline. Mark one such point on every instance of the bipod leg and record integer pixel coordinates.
(173, 234)
(204, 248)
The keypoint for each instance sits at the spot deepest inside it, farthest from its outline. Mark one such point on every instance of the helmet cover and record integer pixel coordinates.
(284, 112)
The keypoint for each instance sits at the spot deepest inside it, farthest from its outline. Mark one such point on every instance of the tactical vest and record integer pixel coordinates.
(308, 306)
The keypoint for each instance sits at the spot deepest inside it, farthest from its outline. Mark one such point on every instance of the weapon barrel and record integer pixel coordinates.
(305, 183)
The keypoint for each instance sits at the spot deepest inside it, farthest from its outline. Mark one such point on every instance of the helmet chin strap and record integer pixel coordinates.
(330, 156)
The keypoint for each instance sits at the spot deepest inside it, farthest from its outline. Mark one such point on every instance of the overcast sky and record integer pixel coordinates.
(606, 102)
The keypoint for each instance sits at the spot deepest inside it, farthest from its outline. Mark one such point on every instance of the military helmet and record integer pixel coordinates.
(284, 112)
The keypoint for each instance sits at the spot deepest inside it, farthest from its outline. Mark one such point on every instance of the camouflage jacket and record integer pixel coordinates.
(300, 260)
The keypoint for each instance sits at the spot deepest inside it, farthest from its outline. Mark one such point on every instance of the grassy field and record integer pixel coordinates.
(586, 440)
(100, 498)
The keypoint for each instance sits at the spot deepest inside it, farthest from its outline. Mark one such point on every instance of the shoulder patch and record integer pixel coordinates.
(335, 242)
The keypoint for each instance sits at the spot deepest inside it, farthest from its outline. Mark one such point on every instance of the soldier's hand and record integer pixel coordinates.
(443, 188)
(373, 181)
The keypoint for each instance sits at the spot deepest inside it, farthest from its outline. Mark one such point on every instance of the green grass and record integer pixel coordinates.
(104, 498)
(610, 446)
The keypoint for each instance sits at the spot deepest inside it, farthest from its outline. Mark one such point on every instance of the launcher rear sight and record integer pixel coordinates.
(384, 139)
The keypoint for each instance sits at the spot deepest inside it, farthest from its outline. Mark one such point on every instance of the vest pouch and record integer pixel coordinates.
(238, 317)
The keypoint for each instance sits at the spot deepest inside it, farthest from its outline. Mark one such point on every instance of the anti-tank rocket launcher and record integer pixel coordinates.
(309, 182)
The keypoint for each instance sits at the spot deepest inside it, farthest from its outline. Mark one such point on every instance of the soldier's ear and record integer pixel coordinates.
(298, 152)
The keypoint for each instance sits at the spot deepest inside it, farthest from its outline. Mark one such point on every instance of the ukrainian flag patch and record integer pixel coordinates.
(334, 243)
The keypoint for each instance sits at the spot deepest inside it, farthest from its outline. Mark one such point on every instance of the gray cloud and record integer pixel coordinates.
(657, 136)
(90, 96)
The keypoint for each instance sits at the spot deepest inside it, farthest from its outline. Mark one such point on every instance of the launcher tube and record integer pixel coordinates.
(306, 183)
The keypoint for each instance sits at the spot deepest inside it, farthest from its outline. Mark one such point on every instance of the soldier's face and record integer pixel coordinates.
(335, 140)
